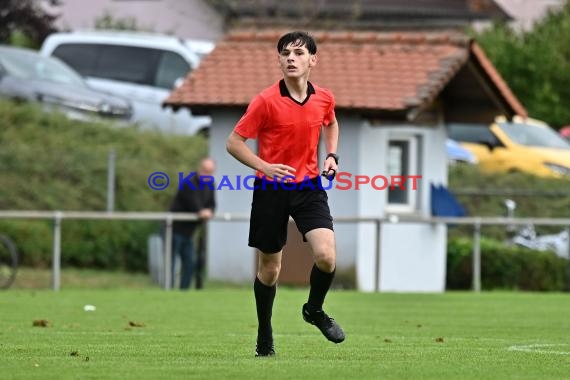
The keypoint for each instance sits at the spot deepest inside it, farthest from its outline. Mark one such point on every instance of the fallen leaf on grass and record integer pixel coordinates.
(41, 323)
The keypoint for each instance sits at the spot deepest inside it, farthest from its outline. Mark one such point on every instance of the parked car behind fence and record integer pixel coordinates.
(457, 154)
(140, 66)
(521, 145)
(565, 133)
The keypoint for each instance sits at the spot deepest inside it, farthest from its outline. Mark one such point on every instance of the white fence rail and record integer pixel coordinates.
(168, 218)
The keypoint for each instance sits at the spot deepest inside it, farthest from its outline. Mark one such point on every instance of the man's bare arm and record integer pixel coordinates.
(330, 134)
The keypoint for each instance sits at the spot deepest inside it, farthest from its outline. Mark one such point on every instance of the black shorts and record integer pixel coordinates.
(273, 204)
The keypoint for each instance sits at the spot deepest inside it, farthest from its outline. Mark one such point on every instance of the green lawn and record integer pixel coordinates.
(211, 334)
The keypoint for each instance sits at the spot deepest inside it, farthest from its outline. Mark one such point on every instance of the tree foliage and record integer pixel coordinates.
(110, 22)
(26, 17)
(535, 63)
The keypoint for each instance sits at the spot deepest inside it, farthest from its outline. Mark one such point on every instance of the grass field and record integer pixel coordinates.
(152, 334)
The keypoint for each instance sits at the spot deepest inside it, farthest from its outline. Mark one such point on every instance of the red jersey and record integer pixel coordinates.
(288, 131)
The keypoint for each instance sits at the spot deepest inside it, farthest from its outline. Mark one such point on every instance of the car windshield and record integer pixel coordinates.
(27, 65)
(534, 135)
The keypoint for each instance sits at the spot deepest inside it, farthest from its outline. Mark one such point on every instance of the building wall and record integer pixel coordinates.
(525, 13)
(229, 257)
(412, 256)
(184, 19)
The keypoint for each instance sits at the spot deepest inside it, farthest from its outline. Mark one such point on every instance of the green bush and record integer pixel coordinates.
(33, 240)
(504, 267)
(48, 163)
(106, 244)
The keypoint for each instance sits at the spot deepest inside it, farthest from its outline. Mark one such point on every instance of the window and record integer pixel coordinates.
(533, 135)
(472, 133)
(81, 57)
(127, 64)
(402, 163)
(170, 68)
(121, 63)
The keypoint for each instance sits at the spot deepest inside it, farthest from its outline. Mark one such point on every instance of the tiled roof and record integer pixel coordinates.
(365, 70)
(497, 80)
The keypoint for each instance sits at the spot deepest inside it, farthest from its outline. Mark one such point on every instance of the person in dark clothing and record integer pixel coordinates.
(199, 198)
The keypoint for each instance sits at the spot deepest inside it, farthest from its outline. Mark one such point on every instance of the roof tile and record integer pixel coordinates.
(365, 70)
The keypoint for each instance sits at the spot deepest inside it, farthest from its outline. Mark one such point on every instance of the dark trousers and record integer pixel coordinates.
(183, 247)
(200, 268)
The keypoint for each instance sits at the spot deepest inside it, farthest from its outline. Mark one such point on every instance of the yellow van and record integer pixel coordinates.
(521, 145)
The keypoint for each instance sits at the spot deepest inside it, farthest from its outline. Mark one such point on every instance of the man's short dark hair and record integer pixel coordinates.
(298, 39)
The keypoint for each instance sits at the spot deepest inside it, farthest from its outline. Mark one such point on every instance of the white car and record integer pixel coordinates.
(142, 67)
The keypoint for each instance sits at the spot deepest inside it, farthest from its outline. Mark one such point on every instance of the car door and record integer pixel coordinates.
(129, 72)
(171, 70)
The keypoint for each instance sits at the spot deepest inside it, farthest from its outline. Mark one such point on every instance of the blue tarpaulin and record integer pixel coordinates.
(443, 203)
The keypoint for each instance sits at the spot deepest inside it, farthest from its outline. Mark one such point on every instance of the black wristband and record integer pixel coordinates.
(333, 155)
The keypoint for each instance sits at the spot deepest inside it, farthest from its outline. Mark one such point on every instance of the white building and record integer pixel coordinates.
(185, 19)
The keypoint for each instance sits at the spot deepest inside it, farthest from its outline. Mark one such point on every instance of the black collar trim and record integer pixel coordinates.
(285, 92)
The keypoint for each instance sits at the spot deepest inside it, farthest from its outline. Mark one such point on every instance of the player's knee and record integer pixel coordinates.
(326, 263)
(270, 273)
(323, 248)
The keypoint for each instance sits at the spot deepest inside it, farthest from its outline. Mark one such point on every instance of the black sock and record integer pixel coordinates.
(320, 284)
(264, 296)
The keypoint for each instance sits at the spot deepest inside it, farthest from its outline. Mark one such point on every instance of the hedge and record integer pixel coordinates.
(505, 267)
(48, 162)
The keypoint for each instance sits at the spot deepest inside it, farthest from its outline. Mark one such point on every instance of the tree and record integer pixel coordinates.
(26, 17)
(108, 21)
(535, 64)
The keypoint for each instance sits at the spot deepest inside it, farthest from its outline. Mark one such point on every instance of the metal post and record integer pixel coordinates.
(568, 242)
(111, 181)
(477, 256)
(56, 259)
(378, 224)
(567, 287)
(168, 253)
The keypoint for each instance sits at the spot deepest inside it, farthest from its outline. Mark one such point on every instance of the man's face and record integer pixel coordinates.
(295, 61)
(207, 167)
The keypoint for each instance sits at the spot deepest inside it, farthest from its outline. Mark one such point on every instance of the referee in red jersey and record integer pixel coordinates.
(286, 119)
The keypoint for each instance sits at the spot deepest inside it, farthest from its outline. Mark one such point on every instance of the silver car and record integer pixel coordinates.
(27, 76)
